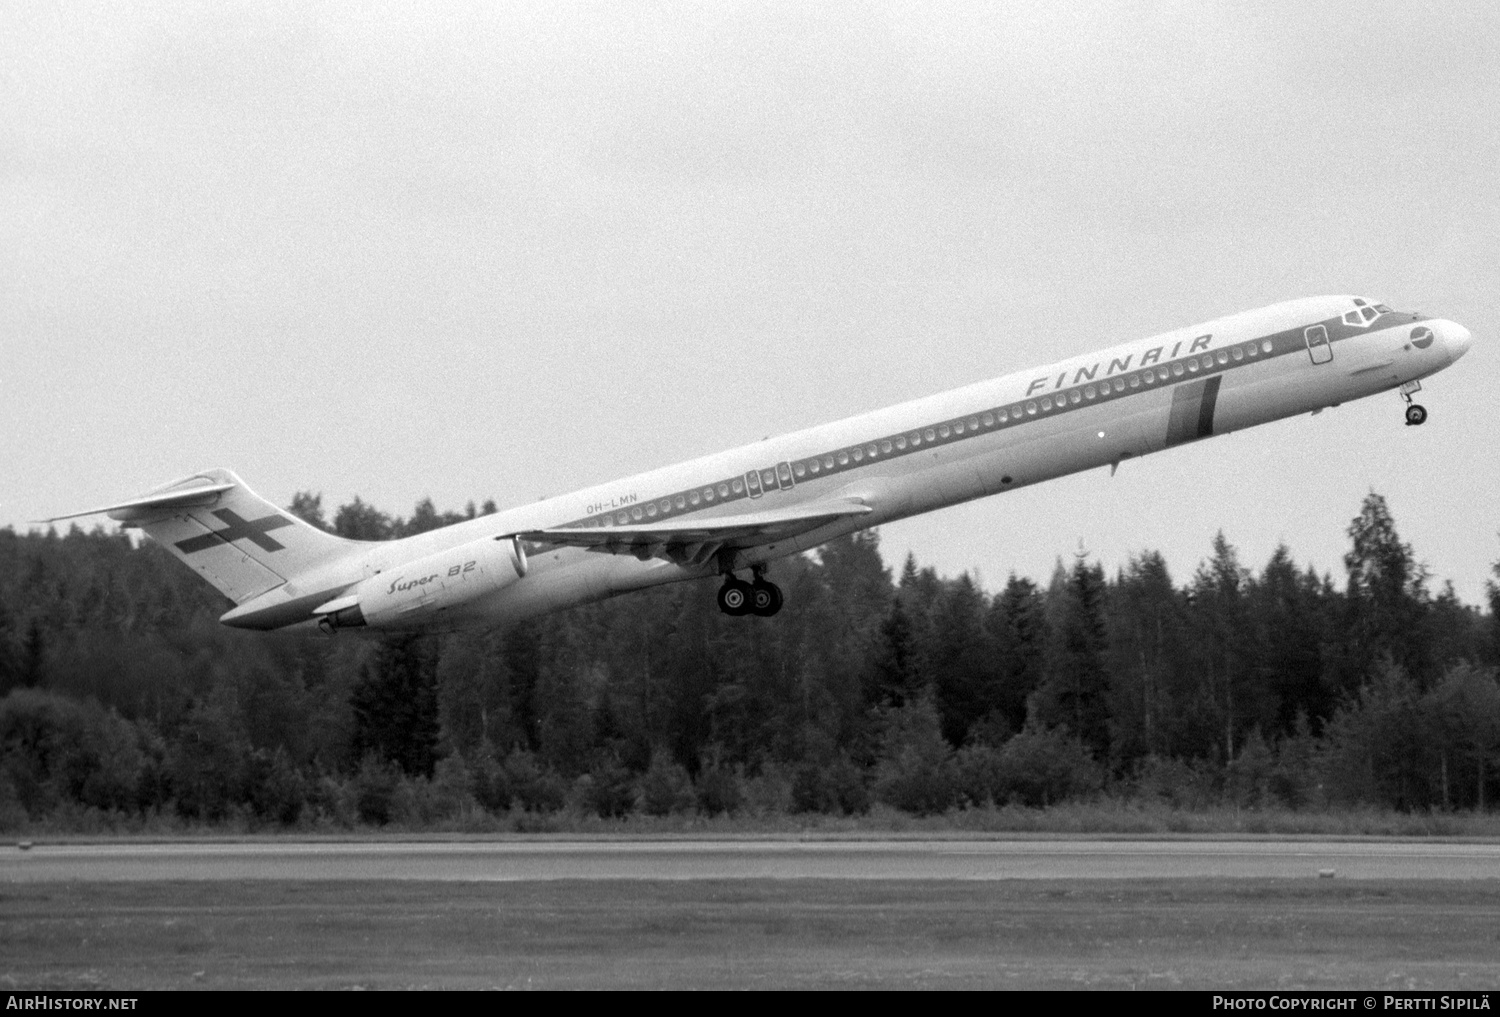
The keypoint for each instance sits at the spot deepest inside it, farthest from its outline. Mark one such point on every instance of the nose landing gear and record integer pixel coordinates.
(1415, 413)
(761, 597)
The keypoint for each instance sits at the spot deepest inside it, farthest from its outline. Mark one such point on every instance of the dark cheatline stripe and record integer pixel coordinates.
(1192, 415)
(1206, 410)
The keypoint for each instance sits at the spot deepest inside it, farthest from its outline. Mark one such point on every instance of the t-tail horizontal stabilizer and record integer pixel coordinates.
(234, 538)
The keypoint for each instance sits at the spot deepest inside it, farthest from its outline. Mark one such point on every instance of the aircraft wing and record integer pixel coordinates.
(691, 542)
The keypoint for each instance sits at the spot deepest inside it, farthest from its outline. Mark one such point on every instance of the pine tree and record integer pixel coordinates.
(896, 672)
(395, 706)
(1017, 627)
(1387, 596)
(1147, 648)
(1073, 691)
(962, 660)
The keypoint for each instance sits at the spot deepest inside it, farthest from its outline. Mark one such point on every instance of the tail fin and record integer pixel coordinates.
(231, 536)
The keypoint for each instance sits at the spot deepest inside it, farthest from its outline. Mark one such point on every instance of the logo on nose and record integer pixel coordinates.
(1421, 337)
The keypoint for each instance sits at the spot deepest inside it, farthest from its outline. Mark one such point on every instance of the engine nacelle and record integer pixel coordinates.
(415, 590)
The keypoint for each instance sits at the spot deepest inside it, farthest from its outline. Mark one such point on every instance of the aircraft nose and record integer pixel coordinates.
(1458, 340)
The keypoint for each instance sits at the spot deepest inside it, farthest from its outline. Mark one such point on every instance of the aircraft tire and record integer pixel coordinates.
(765, 598)
(735, 597)
(1415, 415)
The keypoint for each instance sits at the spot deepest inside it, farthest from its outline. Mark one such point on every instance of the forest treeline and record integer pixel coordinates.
(126, 703)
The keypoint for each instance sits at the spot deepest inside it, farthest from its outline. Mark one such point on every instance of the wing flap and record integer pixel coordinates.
(694, 542)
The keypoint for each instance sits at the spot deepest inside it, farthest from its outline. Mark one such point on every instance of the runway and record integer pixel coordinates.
(534, 860)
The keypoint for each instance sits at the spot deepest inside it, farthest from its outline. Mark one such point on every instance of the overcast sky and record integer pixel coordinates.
(510, 250)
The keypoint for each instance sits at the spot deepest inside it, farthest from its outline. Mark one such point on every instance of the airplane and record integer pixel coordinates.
(739, 510)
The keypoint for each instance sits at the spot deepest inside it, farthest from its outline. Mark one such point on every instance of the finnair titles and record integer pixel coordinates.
(735, 512)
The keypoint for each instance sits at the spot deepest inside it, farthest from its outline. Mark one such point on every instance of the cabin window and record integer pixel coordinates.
(901, 442)
(843, 458)
(1046, 403)
(828, 462)
(858, 454)
(872, 450)
(1192, 365)
(800, 470)
(738, 486)
(695, 498)
(812, 465)
(622, 519)
(943, 431)
(1237, 353)
(681, 502)
(931, 435)
(1074, 396)
(958, 427)
(989, 419)
(1177, 368)
(724, 489)
(636, 514)
(973, 423)
(708, 494)
(1135, 381)
(651, 510)
(1090, 392)
(1031, 408)
(1266, 347)
(885, 446)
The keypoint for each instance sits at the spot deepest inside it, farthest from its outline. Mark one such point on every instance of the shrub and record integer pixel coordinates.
(719, 790)
(537, 788)
(665, 787)
(607, 790)
(915, 772)
(1044, 766)
(374, 790)
(836, 787)
(1177, 782)
(278, 791)
(981, 774)
(491, 785)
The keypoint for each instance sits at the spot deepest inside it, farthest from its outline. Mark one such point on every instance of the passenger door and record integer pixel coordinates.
(1318, 346)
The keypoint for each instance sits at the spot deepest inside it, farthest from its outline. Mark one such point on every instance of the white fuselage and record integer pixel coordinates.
(983, 439)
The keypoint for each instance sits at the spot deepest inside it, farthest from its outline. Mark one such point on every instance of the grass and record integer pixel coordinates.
(1247, 934)
(1102, 817)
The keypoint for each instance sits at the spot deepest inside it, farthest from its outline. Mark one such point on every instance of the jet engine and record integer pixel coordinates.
(415, 590)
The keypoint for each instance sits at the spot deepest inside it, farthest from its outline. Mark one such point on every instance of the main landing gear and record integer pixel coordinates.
(761, 597)
(1415, 413)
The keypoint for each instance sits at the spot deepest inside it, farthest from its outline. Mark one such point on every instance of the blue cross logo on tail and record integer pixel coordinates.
(254, 530)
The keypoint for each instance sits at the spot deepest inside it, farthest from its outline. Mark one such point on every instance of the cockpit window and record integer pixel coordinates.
(1364, 312)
